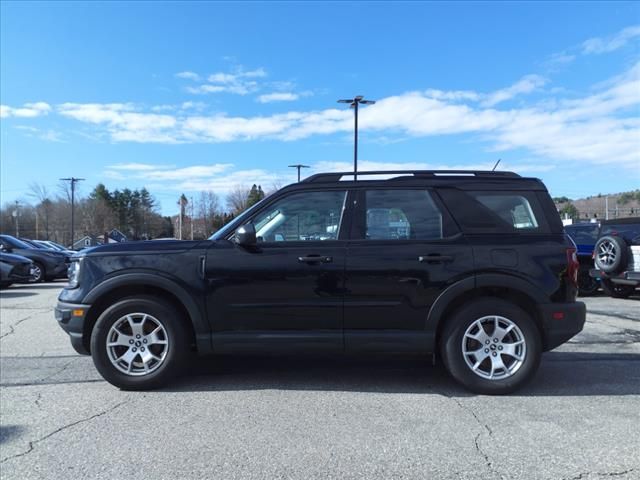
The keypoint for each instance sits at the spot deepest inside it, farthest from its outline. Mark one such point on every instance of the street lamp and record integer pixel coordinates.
(353, 103)
(299, 166)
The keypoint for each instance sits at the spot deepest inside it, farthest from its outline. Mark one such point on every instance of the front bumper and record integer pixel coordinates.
(71, 318)
(561, 322)
(59, 270)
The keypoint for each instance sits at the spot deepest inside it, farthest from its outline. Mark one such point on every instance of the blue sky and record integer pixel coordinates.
(185, 97)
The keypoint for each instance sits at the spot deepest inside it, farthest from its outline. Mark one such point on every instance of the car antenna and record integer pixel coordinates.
(494, 167)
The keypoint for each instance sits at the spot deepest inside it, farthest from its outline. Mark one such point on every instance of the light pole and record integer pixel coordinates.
(299, 166)
(353, 103)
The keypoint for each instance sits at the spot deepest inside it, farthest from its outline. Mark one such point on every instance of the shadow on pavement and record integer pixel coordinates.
(560, 374)
(15, 294)
(7, 432)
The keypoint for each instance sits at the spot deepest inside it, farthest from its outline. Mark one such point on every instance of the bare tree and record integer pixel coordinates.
(208, 208)
(44, 207)
(238, 199)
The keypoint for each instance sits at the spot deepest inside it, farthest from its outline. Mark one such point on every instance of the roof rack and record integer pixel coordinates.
(335, 177)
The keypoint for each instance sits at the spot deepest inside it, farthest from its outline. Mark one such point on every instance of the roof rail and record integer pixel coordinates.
(335, 177)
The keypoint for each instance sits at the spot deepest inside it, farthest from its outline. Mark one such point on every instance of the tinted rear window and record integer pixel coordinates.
(495, 212)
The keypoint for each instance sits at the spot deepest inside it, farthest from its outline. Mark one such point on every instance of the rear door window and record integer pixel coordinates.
(400, 214)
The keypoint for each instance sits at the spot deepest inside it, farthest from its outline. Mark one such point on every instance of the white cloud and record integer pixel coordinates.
(47, 135)
(189, 76)
(123, 122)
(526, 84)
(609, 44)
(238, 82)
(278, 97)
(600, 127)
(28, 110)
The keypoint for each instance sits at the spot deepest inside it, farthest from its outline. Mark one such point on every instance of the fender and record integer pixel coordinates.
(198, 318)
(468, 284)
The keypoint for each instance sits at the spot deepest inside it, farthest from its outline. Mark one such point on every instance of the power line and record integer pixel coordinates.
(73, 181)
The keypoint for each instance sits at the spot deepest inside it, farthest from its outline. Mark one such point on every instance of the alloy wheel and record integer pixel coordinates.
(494, 347)
(137, 344)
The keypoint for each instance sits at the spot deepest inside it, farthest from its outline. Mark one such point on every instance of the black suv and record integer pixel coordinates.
(617, 257)
(473, 266)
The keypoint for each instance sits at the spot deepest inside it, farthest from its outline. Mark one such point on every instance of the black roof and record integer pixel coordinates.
(472, 179)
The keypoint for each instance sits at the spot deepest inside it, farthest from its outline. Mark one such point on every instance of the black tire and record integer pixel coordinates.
(610, 254)
(587, 285)
(616, 290)
(176, 335)
(41, 273)
(451, 346)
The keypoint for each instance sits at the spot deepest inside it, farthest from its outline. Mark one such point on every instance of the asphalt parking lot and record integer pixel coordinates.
(305, 418)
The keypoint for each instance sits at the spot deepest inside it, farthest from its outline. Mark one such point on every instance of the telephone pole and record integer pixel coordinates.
(299, 166)
(16, 213)
(191, 199)
(73, 181)
(353, 103)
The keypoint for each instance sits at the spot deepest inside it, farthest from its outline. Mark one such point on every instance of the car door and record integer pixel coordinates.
(404, 251)
(286, 292)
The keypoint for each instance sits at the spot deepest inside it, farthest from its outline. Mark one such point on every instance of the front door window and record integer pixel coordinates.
(308, 216)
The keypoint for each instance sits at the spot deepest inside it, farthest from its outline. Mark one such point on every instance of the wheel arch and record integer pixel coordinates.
(130, 285)
(506, 287)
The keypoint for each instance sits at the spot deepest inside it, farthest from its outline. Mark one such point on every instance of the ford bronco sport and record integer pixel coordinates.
(473, 266)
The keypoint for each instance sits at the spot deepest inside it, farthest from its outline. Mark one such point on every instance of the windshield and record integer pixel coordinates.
(235, 223)
(15, 243)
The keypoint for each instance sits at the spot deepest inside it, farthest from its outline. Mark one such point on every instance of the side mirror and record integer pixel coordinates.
(245, 235)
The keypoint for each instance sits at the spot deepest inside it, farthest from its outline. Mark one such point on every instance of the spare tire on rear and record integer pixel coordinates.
(610, 254)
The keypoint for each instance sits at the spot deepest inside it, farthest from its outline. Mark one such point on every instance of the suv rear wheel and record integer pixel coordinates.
(491, 346)
(139, 343)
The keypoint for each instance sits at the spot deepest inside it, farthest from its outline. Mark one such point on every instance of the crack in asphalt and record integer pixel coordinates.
(584, 475)
(12, 327)
(33, 443)
(37, 401)
(64, 367)
(485, 426)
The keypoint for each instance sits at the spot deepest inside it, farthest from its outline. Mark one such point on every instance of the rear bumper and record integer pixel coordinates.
(71, 318)
(561, 322)
(624, 278)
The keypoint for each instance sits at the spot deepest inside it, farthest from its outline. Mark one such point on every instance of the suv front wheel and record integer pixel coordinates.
(139, 343)
(491, 346)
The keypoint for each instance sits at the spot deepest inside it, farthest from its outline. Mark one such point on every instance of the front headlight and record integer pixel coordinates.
(73, 272)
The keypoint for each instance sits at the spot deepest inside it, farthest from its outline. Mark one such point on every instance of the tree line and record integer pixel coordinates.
(46, 215)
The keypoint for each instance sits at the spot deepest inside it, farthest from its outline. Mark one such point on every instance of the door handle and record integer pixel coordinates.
(435, 258)
(315, 259)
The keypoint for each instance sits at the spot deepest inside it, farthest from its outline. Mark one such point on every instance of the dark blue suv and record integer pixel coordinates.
(585, 235)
